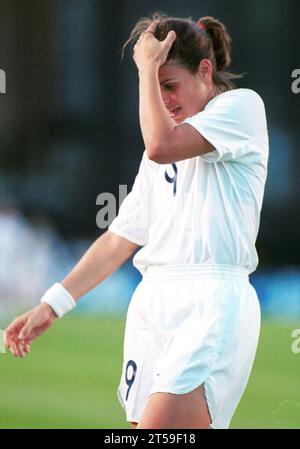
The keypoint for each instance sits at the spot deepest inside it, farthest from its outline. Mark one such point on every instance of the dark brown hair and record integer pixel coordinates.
(205, 39)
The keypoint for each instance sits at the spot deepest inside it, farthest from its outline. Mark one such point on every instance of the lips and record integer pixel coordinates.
(175, 111)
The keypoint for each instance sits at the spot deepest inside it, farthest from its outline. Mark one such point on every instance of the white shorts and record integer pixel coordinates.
(189, 325)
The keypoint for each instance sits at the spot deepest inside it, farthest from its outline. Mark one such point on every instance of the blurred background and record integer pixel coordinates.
(69, 131)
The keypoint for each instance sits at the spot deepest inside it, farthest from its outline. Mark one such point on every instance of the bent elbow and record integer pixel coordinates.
(158, 154)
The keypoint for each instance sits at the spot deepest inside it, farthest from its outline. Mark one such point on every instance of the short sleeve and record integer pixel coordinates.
(233, 122)
(132, 221)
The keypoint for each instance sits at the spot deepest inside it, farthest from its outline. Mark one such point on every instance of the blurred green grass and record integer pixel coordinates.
(70, 378)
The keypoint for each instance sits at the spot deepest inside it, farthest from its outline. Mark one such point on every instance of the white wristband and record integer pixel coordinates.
(59, 299)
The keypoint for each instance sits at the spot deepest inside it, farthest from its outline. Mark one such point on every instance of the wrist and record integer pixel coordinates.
(48, 309)
(149, 70)
(58, 299)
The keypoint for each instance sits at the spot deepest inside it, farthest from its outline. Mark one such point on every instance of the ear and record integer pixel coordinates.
(205, 69)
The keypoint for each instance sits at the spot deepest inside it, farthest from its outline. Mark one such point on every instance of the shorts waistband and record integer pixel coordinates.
(194, 271)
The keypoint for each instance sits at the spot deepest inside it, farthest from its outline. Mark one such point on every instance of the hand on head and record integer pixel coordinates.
(149, 51)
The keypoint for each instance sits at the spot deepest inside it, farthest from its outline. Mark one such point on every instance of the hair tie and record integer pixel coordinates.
(201, 26)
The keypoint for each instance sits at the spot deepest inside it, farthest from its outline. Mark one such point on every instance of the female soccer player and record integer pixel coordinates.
(193, 323)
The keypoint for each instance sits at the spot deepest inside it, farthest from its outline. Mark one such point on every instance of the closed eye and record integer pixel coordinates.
(169, 86)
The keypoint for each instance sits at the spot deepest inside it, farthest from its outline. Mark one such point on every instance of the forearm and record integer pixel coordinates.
(156, 125)
(103, 257)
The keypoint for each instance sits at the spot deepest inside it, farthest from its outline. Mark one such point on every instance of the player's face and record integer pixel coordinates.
(185, 93)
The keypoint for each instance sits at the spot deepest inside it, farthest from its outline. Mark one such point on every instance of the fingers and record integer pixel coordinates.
(13, 349)
(22, 343)
(25, 331)
(15, 326)
(150, 30)
(10, 337)
(152, 27)
(16, 337)
(23, 347)
(171, 36)
(19, 348)
(13, 329)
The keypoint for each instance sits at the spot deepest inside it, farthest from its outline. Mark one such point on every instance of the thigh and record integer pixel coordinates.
(173, 411)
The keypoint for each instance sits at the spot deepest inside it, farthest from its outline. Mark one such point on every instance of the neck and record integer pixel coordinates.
(215, 90)
(212, 93)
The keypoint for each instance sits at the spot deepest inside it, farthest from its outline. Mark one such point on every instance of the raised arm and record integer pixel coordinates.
(103, 257)
(169, 93)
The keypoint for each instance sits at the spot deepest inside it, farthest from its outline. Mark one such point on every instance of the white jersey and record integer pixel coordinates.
(206, 209)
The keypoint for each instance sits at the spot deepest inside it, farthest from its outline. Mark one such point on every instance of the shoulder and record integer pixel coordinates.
(234, 107)
(242, 107)
(231, 120)
(236, 96)
(239, 104)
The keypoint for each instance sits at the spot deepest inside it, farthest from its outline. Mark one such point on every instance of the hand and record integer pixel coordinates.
(19, 335)
(149, 51)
